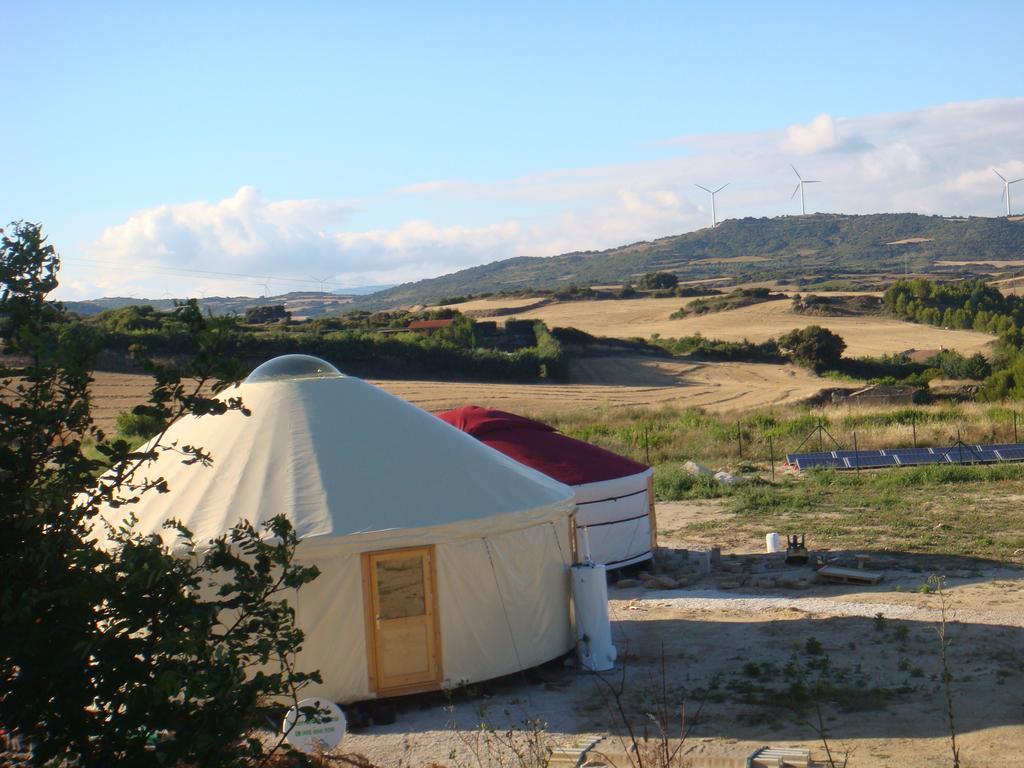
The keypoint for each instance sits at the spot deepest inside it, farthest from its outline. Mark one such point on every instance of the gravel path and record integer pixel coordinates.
(718, 600)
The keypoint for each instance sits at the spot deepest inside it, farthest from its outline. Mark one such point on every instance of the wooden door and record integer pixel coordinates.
(403, 641)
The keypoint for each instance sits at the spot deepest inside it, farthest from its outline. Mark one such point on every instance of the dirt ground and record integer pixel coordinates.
(612, 382)
(759, 322)
(735, 655)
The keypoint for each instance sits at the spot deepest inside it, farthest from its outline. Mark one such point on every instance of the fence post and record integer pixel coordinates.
(856, 454)
(771, 456)
(739, 437)
(647, 447)
(913, 425)
(1015, 427)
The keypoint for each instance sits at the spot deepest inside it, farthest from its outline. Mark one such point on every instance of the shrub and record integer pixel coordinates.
(272, 313)
(653, 281)
(554, 362)
(813, 347)
(138, 425)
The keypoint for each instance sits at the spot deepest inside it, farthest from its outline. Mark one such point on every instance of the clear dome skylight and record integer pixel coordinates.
(288, 367)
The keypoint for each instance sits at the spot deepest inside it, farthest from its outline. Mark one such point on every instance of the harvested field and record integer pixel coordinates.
(985, 262)
(731, 260)
(644, 317)
(493, 305)
(613, 382)
(113, 393)
(911, 241)
(627, 382)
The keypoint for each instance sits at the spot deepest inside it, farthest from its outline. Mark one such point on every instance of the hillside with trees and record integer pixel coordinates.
(378, 344)
(806, 251)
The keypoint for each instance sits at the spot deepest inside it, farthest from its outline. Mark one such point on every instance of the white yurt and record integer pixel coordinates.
(615, 523)
(442, 561)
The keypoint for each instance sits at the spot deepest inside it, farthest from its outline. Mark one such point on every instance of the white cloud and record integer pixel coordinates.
(816, 136)
(823, 134)
(978, 179)
(246, 234)
(935, 160)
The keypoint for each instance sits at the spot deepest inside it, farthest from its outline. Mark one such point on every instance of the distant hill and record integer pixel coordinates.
(299, 303)
(810, 249)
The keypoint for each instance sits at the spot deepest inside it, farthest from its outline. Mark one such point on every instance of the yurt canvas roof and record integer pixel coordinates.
(340, 458)
(541, 447)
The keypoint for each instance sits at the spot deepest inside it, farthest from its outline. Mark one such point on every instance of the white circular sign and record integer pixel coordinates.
(314, 725)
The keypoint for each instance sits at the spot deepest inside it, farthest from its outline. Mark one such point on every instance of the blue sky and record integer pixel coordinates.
(382, 142)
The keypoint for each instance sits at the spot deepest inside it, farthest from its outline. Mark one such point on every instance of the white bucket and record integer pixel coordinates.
(772, 543)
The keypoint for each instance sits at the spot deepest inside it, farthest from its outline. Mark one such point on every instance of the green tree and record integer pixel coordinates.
(122, 652)
(270, 313)
(813, 347)
(656, 281)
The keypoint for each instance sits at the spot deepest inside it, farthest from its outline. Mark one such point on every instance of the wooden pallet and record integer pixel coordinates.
(574, 754)
(775, 757)
(840, 575)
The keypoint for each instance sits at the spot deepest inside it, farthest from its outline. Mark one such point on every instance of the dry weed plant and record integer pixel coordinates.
(936, 583)
(657, 740)
(527, 746)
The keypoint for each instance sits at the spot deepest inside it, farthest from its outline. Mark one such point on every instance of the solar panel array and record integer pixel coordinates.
(908, 457)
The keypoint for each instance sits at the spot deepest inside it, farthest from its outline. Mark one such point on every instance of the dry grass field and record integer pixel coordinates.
(1000, 263)
(626, 382)
(613, 382)
(484, 305)
(644, 317)
(113, 393)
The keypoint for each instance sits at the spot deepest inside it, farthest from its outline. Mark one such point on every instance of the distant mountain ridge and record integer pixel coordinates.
(817, 246)
(299, 303)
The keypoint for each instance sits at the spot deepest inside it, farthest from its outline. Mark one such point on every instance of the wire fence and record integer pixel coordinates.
(753, 441)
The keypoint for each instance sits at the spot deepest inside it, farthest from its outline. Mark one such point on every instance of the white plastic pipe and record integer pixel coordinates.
(593, 627)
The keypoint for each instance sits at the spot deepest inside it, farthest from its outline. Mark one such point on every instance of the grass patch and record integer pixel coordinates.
(951, 509)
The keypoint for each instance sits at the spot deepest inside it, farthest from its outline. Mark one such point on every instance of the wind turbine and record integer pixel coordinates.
(1006, 188)
(714, 218)
(266, 288)
(800, 189)
(320, 280)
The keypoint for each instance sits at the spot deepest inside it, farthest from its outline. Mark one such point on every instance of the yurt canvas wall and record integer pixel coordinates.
(614, 520)
(442, 561)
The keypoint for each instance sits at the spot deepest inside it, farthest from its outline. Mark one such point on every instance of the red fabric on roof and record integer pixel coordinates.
(419, 325)
(541, 447)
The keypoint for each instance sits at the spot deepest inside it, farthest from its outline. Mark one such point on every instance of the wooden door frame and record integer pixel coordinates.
(369, 620)
(651, 514)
